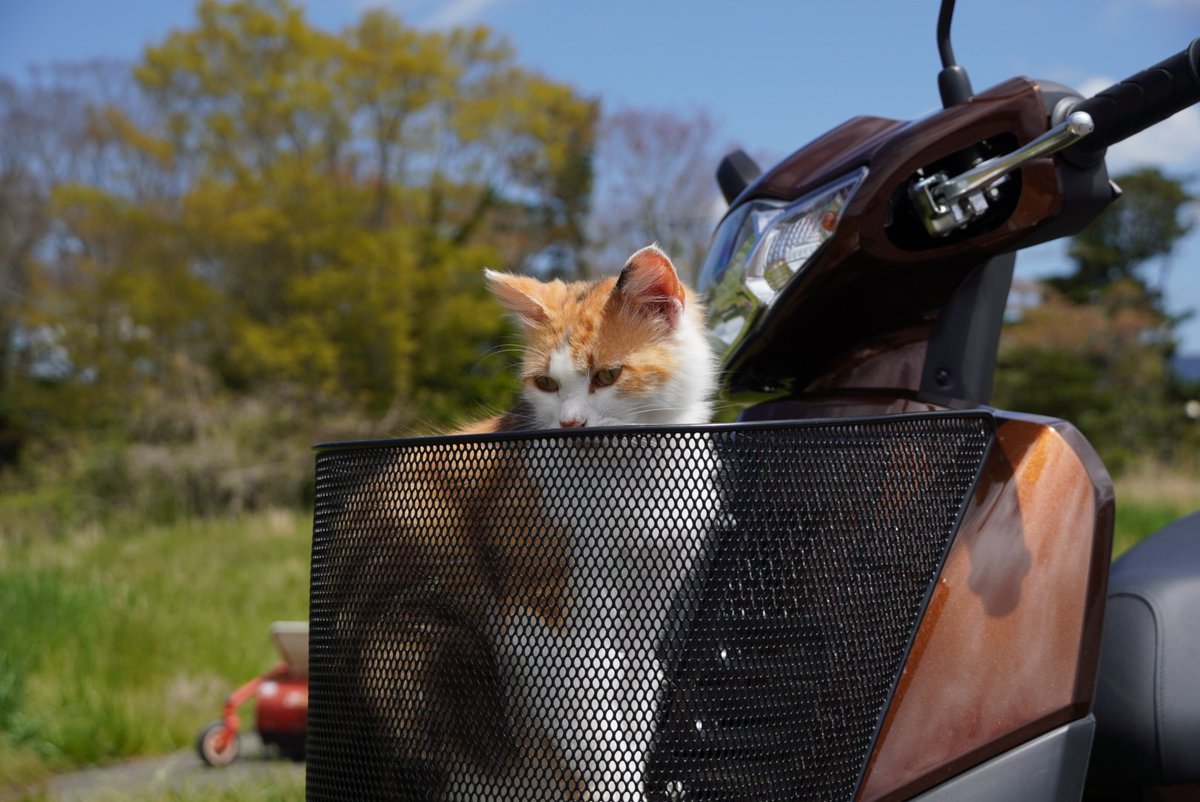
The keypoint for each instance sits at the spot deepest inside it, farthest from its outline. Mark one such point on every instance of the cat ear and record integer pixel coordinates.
(520, 295)
(649, 283)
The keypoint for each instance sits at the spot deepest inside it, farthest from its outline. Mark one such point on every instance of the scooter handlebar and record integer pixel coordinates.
(1140, 101)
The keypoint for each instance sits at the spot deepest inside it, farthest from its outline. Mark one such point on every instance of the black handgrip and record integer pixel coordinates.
(1140, 101)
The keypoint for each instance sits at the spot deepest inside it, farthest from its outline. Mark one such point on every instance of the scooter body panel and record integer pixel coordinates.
(1050, 768)
(1009, 643)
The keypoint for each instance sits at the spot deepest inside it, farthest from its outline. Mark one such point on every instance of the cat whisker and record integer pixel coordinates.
(512, 348)
(641, 410)
(497, 351)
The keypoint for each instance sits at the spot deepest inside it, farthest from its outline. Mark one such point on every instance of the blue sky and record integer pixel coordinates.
(772, 74)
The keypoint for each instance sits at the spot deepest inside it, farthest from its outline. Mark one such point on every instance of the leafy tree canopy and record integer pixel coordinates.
(1143, 225)
(1095, 346)
(275, 204)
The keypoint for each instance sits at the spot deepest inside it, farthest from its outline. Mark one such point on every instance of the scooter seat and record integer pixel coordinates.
(1148, 696)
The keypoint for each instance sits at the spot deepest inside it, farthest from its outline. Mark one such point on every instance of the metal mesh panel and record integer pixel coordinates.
(715, 613)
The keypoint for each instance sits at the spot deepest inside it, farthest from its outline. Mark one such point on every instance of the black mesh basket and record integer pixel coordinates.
(705, 613)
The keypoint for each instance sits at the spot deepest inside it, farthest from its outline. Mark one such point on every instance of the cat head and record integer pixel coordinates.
(624, 349)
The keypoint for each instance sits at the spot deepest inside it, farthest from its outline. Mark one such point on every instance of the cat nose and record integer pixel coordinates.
(573, 423)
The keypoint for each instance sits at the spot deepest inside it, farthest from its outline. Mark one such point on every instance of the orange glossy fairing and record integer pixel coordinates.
(1010, 640)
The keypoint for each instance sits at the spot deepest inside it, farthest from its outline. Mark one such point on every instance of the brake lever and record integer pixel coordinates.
(946, 203)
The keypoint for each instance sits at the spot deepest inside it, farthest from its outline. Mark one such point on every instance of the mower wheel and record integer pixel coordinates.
(216, 745)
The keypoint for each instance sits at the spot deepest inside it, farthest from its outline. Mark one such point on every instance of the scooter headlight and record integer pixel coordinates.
(760, 249)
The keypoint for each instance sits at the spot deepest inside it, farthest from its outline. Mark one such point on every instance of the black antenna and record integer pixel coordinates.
(953, 82)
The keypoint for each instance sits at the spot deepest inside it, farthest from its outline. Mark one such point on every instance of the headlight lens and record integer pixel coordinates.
(760, 249)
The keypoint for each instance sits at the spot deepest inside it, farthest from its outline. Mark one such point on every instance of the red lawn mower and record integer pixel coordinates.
(281, 710)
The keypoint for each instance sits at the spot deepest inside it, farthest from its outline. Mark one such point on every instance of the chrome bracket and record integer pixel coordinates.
(946, 204)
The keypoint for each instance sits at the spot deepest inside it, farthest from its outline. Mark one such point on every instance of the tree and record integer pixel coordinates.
(277, 204)
(1142, 226)
(1095, 346)
(1102, 366)
(47, 139)
(22, 224)
(657, 184)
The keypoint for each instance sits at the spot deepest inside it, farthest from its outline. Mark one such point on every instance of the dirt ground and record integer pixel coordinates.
(146, 777)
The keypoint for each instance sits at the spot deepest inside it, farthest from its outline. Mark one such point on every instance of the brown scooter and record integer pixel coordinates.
(878, 287)
(875, 587)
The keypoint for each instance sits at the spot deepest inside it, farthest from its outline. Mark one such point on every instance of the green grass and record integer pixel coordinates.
(1149, 499)
(271, 784)
(1136, 519)
(125, 641)
(279, 787)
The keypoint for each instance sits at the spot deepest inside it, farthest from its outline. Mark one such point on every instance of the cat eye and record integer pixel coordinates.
(603, 378)
(545, 384)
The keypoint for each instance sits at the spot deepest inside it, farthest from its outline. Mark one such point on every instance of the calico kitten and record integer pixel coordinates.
(505, 578)
(626, 349)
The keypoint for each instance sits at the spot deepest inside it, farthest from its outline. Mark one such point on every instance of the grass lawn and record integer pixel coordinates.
(1148, 500)
(124, 642)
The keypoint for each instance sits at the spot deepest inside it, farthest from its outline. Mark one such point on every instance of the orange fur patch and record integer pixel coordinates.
(601, 329)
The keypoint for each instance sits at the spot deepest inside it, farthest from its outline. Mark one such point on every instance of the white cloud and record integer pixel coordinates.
(431, 13)
(1173, 144)
(402, 7)
(457, 12)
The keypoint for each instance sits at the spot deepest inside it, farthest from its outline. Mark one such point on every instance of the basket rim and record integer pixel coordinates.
(982, 413)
